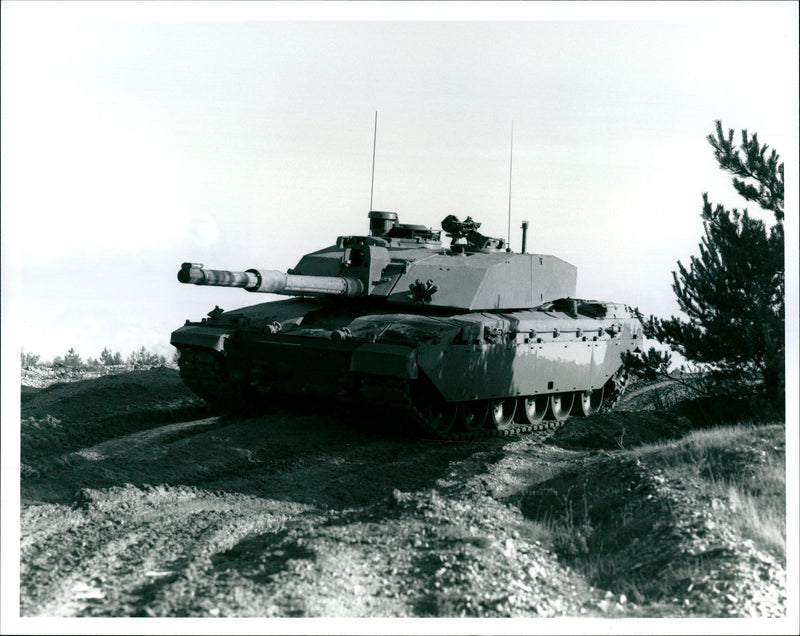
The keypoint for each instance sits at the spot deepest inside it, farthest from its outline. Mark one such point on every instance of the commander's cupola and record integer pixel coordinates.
(384, 225)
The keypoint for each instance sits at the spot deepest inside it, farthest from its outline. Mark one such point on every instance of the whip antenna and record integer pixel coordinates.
(374, 140)
(510, 169)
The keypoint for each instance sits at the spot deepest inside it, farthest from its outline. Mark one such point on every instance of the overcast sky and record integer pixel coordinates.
(140, 136)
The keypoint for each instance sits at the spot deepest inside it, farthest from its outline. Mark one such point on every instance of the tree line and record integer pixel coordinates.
(72, 359)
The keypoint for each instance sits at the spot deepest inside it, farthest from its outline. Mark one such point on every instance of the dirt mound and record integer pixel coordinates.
(646, 395)
(620, 430)
(65, 416)
(39, 377)
(107, 395)
(627, 428)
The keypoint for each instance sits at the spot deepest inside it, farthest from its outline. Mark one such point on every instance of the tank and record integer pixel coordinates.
(460, 340)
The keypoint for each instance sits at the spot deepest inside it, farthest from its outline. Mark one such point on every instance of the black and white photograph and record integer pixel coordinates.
(399, 317)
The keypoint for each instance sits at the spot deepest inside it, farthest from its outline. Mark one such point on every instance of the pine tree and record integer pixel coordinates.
(733, 292)
(73, 359)
(110, 359)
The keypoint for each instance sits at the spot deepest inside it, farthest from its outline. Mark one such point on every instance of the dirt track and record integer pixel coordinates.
(137, 502)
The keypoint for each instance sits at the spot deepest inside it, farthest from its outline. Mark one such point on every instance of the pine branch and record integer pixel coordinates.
(766, 172)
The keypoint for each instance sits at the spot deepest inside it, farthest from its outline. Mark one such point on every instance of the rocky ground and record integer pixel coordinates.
(137, 501)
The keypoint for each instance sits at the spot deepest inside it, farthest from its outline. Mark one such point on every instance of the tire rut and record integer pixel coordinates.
(131, 550)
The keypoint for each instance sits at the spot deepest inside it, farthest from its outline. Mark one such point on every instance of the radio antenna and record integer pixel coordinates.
(510, 170)
(374, 140)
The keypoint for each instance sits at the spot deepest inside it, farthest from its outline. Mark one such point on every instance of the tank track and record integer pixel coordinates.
(204, 372)
(396, 395)
(615, 388)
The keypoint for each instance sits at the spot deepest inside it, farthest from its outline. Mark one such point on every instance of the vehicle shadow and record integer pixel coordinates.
(332, 460)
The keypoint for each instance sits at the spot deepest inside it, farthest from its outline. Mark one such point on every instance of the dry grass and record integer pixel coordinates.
(765, 524)
(613, 523)
(740, 470)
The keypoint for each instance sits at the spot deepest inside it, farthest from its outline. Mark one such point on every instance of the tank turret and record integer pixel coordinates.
(407, 265)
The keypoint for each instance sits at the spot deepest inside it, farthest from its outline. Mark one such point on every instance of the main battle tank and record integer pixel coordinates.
(465, 340)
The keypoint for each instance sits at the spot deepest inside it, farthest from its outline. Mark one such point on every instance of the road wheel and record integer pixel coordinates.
(472, 415)
(560, 406)
(501, 413)
(531, 410)
(588, 402)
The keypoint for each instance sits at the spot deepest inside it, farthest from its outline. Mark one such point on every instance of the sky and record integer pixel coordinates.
(137, 136)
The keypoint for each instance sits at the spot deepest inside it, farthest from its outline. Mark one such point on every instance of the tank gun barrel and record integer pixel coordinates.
(272, 281)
